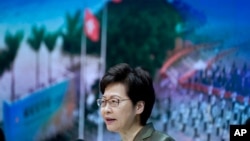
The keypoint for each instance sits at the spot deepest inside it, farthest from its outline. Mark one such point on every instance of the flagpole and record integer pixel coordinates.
(104, 39)
(103, 61)
(82, 88)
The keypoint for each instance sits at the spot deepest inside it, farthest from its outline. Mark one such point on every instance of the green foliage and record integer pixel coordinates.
(4, 62)
(8, 55)
(50, 40)
(140, 33)
(72, 36)
(13, 45)
(36, 37)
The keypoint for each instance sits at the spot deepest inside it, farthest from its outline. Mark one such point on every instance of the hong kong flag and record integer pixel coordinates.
(91, 26)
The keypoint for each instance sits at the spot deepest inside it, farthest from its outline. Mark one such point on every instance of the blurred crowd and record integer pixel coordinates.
(205, 108)
(234, 79)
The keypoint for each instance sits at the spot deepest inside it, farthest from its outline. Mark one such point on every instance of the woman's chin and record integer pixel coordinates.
(111, 129)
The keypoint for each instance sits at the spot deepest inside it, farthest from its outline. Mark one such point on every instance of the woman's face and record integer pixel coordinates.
(121, 117)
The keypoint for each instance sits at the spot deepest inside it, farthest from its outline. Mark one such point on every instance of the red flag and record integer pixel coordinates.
(91, 26)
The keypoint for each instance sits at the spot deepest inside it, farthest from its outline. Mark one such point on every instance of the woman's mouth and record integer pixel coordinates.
(109, 120)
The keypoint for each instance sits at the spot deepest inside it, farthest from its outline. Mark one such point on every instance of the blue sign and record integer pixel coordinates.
(25, 118)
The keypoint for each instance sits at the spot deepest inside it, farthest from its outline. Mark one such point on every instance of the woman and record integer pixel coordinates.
(127, 102)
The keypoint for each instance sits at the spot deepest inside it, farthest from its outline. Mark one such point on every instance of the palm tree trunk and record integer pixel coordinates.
(49, 69)
(12, 84)
(37, 70)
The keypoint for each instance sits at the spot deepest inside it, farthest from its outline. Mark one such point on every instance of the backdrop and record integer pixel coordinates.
(53, 53)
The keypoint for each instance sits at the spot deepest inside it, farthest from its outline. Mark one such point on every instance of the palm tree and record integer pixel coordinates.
(35, 41)
(13, 45)
(4, 63)
(50, 42)
(72, 36)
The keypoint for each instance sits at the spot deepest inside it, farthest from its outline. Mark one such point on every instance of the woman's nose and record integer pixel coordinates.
(106, 108)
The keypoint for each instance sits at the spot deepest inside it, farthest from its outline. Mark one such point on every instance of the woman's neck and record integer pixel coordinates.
(130, 134)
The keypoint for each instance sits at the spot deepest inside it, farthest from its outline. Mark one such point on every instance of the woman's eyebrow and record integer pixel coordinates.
(115, 96)
(112, 96)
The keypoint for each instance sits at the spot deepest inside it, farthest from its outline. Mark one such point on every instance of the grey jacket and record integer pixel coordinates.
(148, 133)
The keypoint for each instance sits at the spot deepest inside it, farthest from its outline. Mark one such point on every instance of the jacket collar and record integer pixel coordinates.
(145, 132)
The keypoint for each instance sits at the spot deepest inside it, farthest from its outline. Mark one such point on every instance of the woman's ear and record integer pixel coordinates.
(140, 107)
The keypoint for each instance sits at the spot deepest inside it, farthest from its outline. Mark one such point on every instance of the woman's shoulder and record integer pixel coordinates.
(148, 133)
(160, 136)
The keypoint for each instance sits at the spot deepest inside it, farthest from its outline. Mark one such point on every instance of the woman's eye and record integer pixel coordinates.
(114, 101)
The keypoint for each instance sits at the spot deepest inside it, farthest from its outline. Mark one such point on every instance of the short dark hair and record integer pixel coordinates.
(138, 83)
